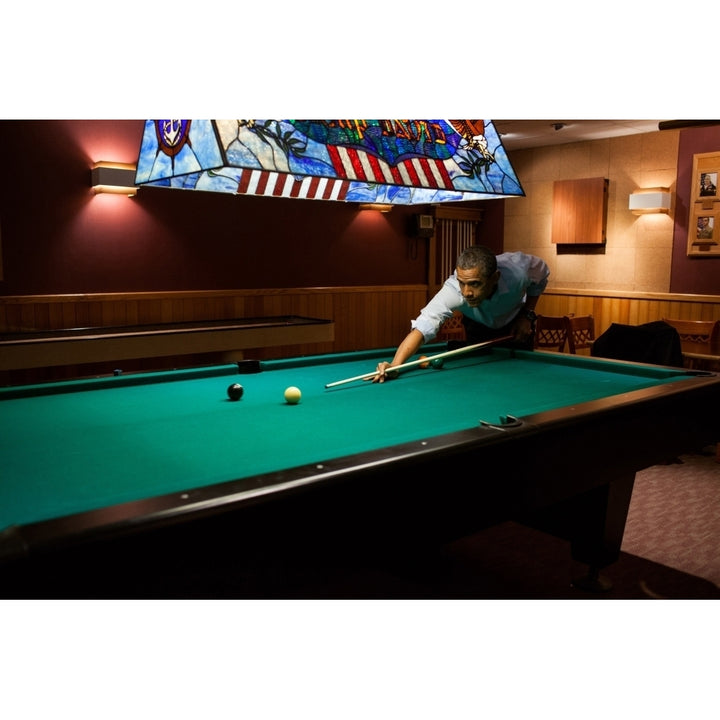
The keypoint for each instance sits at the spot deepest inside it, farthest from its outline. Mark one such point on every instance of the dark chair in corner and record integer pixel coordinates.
(581, 332)
(655, 342)
(551, 332)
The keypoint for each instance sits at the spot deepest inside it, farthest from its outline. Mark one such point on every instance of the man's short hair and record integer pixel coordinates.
(478, 256)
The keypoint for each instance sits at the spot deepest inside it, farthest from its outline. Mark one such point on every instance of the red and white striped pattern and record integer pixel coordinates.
(352, 166)
(417, 172)
(273, 184)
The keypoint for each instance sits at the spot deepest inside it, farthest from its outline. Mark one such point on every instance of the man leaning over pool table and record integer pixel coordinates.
(497, 296)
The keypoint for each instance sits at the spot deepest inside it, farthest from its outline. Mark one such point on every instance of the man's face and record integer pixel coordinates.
(474, 287)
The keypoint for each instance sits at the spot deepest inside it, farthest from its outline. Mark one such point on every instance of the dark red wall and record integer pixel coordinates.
(57, 237)
(700, 276)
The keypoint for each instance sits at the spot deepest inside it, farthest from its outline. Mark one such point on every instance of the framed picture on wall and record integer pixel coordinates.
(707, 184)
(704, 233)
(705, 177)
(704, 217)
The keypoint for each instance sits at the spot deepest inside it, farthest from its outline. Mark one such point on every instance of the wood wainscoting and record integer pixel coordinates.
(364, 317)
(628, 308)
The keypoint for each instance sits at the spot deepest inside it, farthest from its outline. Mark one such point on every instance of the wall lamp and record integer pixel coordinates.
(652, 200)
(380, 207)
(112, 177)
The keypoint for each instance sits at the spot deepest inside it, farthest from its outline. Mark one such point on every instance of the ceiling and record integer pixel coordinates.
(523, 134)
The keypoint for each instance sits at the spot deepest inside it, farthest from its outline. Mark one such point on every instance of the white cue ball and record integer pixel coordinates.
(293, 395)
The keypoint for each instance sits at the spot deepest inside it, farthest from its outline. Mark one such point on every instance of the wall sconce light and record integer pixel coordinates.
(112, 177)
(652, 200)
(380, 207)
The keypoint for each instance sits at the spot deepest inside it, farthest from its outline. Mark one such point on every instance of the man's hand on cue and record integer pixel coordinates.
(385, 372)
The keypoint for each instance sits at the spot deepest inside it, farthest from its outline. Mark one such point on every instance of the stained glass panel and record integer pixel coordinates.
(385, 161)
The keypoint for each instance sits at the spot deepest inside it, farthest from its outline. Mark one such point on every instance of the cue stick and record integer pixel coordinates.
(413, 363)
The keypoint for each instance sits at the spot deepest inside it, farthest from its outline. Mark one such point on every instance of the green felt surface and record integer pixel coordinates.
(71, 447)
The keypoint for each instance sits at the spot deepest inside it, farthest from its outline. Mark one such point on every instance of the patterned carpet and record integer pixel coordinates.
(674, 516)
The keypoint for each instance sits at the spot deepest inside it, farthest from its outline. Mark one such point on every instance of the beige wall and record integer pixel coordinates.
(638, 252)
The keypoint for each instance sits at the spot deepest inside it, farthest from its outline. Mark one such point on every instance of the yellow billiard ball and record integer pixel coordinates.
(292, 395)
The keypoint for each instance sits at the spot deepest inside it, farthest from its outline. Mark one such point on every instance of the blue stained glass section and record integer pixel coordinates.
(199, 150)
(278, 146)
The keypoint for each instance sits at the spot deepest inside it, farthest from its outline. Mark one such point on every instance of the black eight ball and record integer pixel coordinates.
(235, 391)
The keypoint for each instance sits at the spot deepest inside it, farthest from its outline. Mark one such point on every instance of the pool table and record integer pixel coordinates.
(108, 482)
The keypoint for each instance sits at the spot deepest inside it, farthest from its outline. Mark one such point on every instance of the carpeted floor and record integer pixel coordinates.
(674, 516)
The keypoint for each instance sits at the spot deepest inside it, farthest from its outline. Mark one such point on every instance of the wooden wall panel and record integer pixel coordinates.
(364, 314)
(629, 308)
(579, 211)
(364, 317)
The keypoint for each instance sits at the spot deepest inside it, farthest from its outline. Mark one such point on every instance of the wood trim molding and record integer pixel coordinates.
(443, 212)
(193, 294)
(632, 295)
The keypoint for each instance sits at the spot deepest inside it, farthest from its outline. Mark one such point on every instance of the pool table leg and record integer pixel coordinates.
(598, 527)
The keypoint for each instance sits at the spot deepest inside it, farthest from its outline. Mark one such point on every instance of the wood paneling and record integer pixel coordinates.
(628, 308)
(142, 342)
(579, 211)
(365, 317)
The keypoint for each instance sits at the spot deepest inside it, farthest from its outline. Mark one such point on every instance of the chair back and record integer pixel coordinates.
(452, 328)
(697, 336)
(581, 332)
(551, 332)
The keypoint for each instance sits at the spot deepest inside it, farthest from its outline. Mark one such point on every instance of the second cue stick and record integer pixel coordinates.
(430, 359)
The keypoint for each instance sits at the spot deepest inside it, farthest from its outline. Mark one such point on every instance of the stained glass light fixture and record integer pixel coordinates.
(395, 162)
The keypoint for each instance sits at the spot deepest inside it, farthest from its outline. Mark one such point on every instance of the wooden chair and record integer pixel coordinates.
(452, 329)
(551, 332)
(700, 342)
(581, 332)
